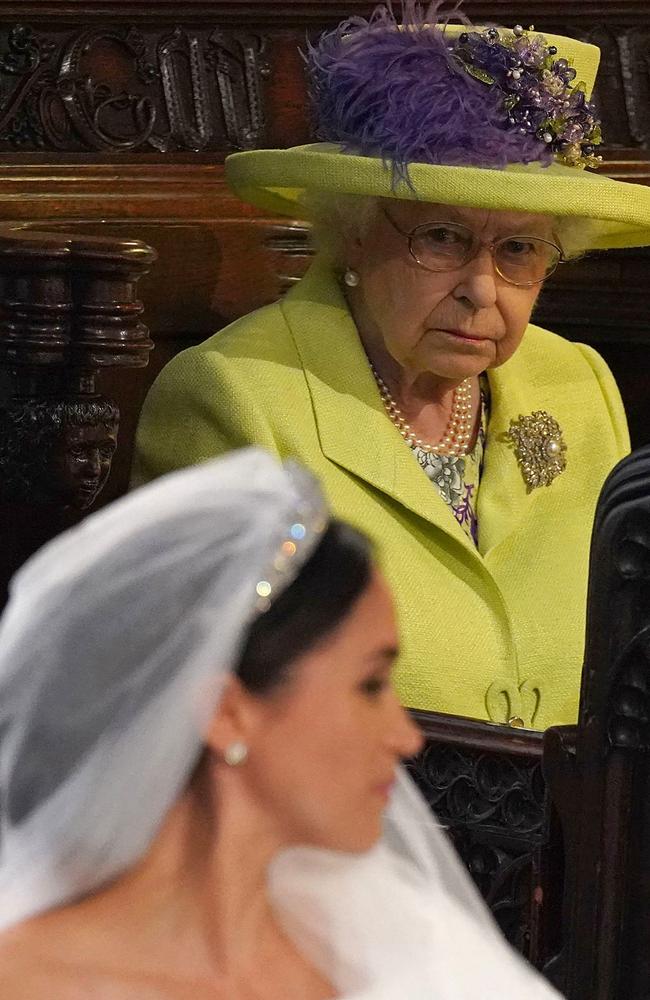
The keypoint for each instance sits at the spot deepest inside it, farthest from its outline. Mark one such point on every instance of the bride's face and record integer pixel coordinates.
(322, 760)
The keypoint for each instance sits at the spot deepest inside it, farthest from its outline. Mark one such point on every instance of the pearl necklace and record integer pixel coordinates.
(457, 434)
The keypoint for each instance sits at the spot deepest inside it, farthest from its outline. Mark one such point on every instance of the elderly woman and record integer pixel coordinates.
(200, 739)
(404, 370)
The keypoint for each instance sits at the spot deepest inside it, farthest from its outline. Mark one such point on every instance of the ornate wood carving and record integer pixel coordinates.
(68, 310)
(601, 786)
(486, 787)
(292, 12)
(133, 86)
(635, 74)
(120, 89)
(57, 450)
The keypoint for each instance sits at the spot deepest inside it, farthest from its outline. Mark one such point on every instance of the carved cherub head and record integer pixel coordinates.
(57, 450)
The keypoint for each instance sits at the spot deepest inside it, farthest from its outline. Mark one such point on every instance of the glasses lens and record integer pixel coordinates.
(442, 246)
(526, 260)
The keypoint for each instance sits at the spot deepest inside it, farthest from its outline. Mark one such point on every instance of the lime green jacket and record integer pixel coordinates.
(494, 633)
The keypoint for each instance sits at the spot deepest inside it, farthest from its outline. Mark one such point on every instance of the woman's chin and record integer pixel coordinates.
(358, 840)
(458, 366)
(458, 372)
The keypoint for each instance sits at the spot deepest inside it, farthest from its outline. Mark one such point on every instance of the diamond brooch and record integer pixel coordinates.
(539, 448)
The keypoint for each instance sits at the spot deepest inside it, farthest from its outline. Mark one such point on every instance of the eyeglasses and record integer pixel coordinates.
(447, 246)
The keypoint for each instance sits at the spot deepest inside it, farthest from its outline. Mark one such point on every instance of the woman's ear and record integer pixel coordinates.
(350, 240)
(235, 720)
(359, 233)
(354, 250)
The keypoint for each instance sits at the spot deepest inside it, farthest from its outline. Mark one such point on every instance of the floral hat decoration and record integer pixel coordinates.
(431, 111)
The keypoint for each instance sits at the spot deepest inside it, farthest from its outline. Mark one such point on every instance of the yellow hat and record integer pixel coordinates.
(515, 81)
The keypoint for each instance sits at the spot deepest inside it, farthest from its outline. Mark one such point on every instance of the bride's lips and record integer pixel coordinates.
(385, 790)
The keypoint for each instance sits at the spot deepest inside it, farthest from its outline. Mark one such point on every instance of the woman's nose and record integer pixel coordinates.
(404, 736)
(478, 281)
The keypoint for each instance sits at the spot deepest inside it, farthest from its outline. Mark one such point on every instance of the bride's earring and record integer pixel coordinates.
(235, 754)
(351, 278)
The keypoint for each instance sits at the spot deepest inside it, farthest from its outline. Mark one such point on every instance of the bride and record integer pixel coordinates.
(200, 789)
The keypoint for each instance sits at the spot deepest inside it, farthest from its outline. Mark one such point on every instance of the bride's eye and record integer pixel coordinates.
(373, 686)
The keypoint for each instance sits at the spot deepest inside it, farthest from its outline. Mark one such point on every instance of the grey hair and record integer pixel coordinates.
(575, 235)
(337, 219)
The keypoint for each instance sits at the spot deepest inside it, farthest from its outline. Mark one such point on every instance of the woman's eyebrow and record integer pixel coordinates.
(527, 224)
(385, 654)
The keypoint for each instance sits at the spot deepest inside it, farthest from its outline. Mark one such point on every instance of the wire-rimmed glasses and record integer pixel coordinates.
(523, 261)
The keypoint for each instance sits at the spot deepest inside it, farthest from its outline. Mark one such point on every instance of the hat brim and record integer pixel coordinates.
(279, 179)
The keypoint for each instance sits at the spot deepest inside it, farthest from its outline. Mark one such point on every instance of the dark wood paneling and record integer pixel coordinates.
(194, 82)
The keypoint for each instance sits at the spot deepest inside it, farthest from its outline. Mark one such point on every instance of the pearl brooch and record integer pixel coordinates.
(539, 448)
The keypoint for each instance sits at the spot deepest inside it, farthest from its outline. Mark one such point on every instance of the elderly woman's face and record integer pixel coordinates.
(455, 323)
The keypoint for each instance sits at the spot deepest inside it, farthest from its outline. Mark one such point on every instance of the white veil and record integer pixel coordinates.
(403, 920)
(113, 648)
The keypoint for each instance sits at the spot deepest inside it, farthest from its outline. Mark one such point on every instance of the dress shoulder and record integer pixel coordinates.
(256, 334)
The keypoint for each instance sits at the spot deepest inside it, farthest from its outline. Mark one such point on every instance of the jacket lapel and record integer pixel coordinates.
(502, 498)
(353, 428)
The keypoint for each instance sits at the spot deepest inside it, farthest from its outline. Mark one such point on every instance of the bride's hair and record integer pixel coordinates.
(303, 615)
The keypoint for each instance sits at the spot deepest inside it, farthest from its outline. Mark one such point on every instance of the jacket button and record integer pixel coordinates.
(516, 722)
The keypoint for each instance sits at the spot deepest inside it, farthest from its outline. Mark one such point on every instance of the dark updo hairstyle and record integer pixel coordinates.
(312, 607)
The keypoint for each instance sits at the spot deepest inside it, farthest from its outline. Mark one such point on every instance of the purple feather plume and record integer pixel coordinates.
(403, 96)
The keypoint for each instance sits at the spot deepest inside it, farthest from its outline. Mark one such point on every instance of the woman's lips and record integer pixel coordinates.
(385, 790)
(466, 337)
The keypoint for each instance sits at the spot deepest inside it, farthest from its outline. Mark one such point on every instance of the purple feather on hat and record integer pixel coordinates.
(397, 92)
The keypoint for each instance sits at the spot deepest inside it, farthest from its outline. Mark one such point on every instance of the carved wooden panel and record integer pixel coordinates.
(601, 784)
(68, 310)
(486, 787)
(215, 82)
(118, 88)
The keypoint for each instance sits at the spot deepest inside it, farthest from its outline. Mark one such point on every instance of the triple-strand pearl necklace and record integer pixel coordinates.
(458, 432)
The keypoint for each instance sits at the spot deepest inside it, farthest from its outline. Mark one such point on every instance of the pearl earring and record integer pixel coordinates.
(235, 754)
(351, 278)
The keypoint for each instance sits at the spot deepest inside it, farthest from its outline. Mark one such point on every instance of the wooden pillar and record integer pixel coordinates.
(68, 310)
